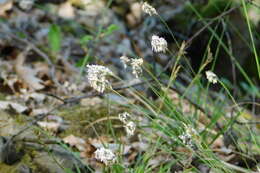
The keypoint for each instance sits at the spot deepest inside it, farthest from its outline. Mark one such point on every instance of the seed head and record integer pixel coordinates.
(159, 44)
(124, 117)
(136, 66)
(105, 155)
(96, 75)
(147, 8)
(130, 128)
(212, 77)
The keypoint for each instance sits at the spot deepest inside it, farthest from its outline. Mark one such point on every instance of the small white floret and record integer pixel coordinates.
(159, 44)
(105, 155)
(130, 128)
(124, 117)
(96, 75)
(125, 60)
(147, 8)
(137, 66)
(212, 77)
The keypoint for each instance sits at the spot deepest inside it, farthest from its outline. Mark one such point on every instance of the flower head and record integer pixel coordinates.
(105, 155)
(212, 77)
(159, 44)
(136, 66)
(124, 117)
(129, 125)
(147, 8)
(96, 75)
(188, 136)
(130, 128)
(125, 60)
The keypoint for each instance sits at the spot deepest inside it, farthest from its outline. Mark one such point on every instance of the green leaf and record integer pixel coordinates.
(55, 37)
(110, 29)
(118, 168)
(84, 61)
(86, 39)
(67, 170)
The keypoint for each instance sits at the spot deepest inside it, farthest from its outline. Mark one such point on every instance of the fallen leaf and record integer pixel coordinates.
(74, 141)
(52, 126)
(27, 74)
(7, 105)
(5, 6)
(37, 97)
(66, 10)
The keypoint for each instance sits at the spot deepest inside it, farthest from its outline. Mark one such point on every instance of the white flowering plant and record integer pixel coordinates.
(146, 101)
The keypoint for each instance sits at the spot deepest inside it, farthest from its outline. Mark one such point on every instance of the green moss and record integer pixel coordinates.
(21, 119)
(2, 96)
(26, 160)
(80, 117)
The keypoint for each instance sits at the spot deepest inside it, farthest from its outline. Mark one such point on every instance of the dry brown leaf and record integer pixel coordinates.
(66, 10)
(74, 141)
(52, 126)
(27, 74)
(7, 105)
(5, 6)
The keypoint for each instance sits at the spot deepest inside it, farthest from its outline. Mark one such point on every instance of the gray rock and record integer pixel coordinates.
(23, 169)
(57, 160)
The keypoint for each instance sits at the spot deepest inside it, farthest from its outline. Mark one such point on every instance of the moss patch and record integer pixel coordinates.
(80, 117)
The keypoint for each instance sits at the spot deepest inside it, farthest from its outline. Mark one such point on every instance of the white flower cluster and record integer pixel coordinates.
(159, 44)
(135, 64)
(105, 155)
(124, 117)
(188, 135)
(96, 75)
(129, 125)
(212, 77)
(147, 8)
(186, 139)
(130, 128)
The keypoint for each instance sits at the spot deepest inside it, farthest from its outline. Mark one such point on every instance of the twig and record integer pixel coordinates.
(102, 119)
(210, 23)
